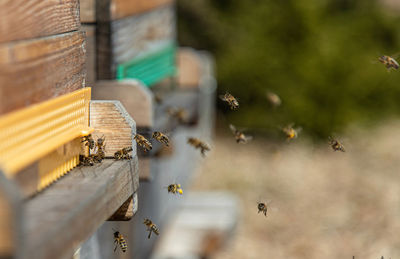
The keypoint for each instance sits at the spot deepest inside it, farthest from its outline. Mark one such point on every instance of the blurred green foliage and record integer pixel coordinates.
(319, 56)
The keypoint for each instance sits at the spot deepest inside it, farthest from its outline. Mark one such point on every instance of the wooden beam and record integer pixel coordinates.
(90, 31)
(88, 11)
(10, 219)
(123, 40)
(76, 206)
(108, 10)
(127, 209)
(27, 19)
(134, 96)
(37, 70)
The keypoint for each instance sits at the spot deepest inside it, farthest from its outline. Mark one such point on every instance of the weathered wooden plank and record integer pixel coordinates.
(112, 122)
(11, 243)
(76, 206)
(90, 31)
(116, 9)
(135, 97)
(88, 11)
(27, 19)
(124, 40)
(37, 70)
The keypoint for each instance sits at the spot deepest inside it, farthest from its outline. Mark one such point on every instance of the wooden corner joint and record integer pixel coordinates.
(127, 209)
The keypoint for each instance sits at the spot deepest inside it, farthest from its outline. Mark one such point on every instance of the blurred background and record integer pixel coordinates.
(321, 58)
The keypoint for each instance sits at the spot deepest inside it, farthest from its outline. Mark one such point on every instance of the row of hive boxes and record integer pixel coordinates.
(130, 39)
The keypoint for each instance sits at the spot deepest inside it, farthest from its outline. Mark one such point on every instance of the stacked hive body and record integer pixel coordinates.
(44, 112)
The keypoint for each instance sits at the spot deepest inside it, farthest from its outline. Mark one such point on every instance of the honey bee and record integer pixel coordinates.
(232, 101)
(89, 141)
(123, 153)
(120, 241)
(389, 62)
(143, 142)
(175, 188)
(290, 132)
(262, 207)
(240, 136)
(273, 99)
(336, 145)
(86, 161)
(158, 98)
(100, 150)
(198, 144)
(151, 227)
(178, 113)
(161, 137)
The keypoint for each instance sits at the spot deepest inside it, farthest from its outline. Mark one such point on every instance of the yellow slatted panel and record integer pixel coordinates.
(44, 131)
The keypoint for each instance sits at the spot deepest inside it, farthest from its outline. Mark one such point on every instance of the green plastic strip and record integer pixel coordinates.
(151, 68)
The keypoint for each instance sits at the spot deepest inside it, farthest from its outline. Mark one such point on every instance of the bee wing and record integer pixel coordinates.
(222, 97)
(249, 138)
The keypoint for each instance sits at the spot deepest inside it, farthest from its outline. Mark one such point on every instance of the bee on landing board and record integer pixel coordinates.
(123, 153)
(389, 62)
(175, 188)
(120, 241)
(100, 150)
(86, 161)
(143, 142)
(273, 99)
(178, 113)
(290, 132)
(336, 145)
(161, 137)
(88, 141)
(198, 144)
(232, 101)
(239, 136)
(151, 227)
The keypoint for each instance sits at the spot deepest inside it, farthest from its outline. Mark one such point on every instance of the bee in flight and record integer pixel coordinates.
(86, 160)
(262, 207)
(89, 141)
(151, 227)
(232, 101)
(198, 144)
(239, 136)
(158, 98)
(389, 62)
(120, 241)
(161, 137)
(273, 99)
(175, 188)
(336, 145)
(123, 153)
(178, 113)
(143, 142)
(290, 132)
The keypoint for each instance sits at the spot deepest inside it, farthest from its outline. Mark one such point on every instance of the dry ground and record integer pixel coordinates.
(325, 204)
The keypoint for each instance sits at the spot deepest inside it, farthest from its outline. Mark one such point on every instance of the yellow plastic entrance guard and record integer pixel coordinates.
(51, 131)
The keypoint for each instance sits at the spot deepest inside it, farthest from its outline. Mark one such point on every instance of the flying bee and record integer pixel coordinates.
(178, 113)
(175, 188)
(151, 227)
(161, 137)
(120, 241)
(389, 62)
(143, 142)
(232, 101)
(198, 144)
(273, 99)
(336, 145)
(89, 141)
(262, 207)
(86, 161)
(290, 132)
(240, 136)
(158, 98)
(123, 153)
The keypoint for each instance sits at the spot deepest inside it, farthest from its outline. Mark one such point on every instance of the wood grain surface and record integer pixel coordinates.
(27, 19)
(88, 11)
(33, 71)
